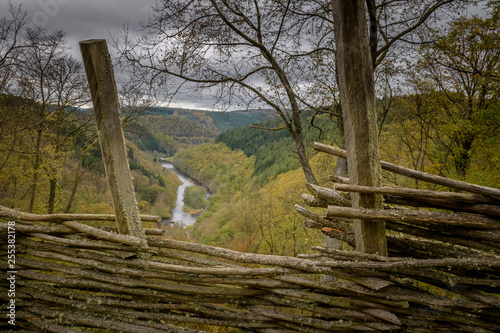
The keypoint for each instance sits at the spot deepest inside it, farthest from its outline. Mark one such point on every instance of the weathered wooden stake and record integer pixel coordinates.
(100, 76)
(357, 95)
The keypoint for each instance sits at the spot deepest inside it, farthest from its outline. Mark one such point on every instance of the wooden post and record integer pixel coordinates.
(100, 76)
(357, 95)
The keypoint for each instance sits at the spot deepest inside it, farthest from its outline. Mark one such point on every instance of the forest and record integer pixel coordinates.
(438, 111)
(296, 98)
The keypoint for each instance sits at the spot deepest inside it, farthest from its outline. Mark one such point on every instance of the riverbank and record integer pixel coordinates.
(179, 214)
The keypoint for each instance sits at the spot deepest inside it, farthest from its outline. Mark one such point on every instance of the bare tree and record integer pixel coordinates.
(243, 52)
(464, 65)
(55, 81)
(135, 101)
(10, 43)
(278, 54)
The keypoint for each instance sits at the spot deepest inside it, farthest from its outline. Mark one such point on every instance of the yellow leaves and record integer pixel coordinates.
(83, 207)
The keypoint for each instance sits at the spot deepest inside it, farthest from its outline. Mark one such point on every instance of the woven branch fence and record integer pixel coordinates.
(443, 272)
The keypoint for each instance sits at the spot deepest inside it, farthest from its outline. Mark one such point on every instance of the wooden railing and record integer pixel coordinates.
(443, 273)
(63, 275)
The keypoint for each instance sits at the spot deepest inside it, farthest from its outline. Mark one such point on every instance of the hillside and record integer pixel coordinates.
(216, 121)
(242, 214)
(167, 131)
(274, 150)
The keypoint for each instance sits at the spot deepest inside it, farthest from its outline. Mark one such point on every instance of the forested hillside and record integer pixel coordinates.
(438, 112)
(53, 164)
(244, 214)
(167, 131)
(256, 179)
(168, 134)
(427, 131)
(221, 120)
(274, 150)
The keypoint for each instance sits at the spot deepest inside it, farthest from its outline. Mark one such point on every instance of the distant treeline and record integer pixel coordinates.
(168, 131)
(274, 150)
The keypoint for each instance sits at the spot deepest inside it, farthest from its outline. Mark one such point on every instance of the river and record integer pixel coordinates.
(178, 215)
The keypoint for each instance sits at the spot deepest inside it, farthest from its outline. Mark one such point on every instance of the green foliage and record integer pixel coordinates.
(215, 166)
(147, 140)
(155, 186)
(241, 215)
(274, 150)
(75, 164)
(147, 173)
(213, 120)
(35, 153)
(194, 197)
(463, 69)
(224, 121)
(419, 134)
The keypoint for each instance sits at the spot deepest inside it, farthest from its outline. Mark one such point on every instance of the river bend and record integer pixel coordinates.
(178, 215)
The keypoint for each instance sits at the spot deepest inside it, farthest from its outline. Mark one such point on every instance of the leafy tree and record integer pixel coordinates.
(56, 82)
(194, 197)
(41, 125)
(464, 64)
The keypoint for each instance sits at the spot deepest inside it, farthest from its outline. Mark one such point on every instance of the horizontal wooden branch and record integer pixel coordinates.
(344, 225)
(148, 231)
(475, 263)
(446, 236)
(312, 201)
(8, 213)
(457, 184)
(331, 196)
(419, 248)
(338, 179)
(413, 193)
(356, 256)
(43, 324)
(105, 235)
(131, 282)
(54, 229)
(37, 276)
(42, 248)
(415, 217)
(150, 304)
(89, 244)
(237, 319)
(343, 231)
(242, 257)
(298, 321)
(455, 206)
(94, 320)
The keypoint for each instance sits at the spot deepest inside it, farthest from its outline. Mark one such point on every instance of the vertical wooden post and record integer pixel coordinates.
(357, 95)
(100, 76)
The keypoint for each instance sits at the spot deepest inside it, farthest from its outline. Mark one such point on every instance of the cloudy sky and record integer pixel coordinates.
(93, 19)
(100, 19)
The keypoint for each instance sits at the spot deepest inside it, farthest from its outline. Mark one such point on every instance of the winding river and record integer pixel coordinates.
(178, 215)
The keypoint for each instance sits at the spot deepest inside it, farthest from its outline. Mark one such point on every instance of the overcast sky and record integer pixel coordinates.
(99, 19)
(93, 19)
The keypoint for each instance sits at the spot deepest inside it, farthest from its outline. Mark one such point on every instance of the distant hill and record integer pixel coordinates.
(168, 130)
(273, 150)
(221, 121)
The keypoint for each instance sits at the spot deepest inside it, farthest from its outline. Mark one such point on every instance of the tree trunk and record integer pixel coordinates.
(301, 151)
(52, 195)
(36, 169)
(357, 95)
